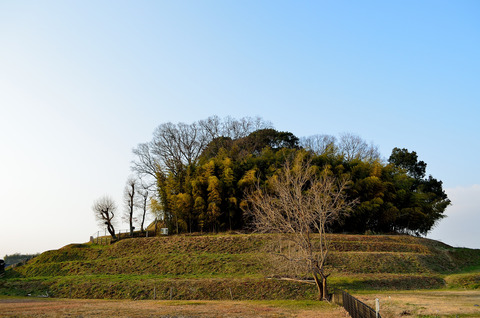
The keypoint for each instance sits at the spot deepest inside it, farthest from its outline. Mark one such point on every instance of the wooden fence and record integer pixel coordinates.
(105, 239)
(353, 306)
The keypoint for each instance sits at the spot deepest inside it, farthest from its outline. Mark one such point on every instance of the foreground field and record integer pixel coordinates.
(28, 307)
(425, 304)
(415, 304)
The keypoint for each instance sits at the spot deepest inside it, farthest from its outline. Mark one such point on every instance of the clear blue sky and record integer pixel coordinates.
(83, 82)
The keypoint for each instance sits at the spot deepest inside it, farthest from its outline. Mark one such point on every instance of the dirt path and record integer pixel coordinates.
(10, 307)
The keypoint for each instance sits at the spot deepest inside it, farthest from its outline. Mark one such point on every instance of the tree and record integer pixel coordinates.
(174, 154)
(146, 164)
(320, 144)
(129, 199)
(214, 202)
(354, 147)
(157, 211)
(300, 201)
(200, 171)
(421, 200)
(104, 209)
(259, 139)
(404, 159)
(143, 202)
(175, 146)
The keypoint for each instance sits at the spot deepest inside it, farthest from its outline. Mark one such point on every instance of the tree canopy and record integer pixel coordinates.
(203, 170)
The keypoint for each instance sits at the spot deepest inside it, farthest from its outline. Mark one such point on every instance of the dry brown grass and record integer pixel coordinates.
(11, 307)
(426, 303)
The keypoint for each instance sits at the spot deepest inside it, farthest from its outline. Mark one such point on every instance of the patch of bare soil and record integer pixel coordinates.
(426, 303)
(151, 308)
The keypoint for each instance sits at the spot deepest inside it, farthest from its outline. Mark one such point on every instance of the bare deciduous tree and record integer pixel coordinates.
(104, 209)
(349, 145)
(320, 144)
(129, 197)
(300, 201)
(354, 147)
(176, 145)
(143, 202)
(146, 164)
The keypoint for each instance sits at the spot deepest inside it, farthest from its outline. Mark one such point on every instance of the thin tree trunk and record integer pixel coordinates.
(176, 221)
(131, 223)
(111, 230)
(319, 285)
(324, 284)
(230, 220)
(145, 198)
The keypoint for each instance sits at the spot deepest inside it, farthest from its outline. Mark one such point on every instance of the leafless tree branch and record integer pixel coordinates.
(299, 201)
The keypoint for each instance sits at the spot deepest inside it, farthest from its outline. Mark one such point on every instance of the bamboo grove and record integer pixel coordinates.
(201, 172)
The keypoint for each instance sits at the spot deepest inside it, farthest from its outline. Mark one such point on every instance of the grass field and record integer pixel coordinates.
(415, 304)
(411, 276)
(28, 307)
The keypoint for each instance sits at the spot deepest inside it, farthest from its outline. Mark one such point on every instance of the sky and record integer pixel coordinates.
(84, 82)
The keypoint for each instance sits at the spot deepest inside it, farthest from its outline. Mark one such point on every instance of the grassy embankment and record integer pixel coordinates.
(237, 267)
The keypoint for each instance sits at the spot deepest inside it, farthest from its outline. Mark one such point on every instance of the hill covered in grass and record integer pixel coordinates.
(237, 266)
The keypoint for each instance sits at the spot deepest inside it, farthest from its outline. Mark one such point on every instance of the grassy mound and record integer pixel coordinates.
(237, 266)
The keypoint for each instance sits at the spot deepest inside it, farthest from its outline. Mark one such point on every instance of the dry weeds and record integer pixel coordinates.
(167, 309)
(426, 303)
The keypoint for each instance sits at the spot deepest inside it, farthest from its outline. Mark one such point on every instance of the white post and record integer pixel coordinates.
(377, 307)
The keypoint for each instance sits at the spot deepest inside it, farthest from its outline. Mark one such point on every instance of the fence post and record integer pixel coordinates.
(377, 307)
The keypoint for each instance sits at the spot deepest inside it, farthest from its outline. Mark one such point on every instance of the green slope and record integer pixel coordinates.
(237, 266)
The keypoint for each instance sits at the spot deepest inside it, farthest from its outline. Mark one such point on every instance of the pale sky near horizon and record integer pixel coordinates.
(83, 82)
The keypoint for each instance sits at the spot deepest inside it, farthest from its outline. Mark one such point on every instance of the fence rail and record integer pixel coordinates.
(103, 238)
(353, 306)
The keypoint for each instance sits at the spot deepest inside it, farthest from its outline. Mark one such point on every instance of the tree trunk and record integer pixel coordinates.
(111, 230)
(131, 223)
(143, 221)
(176, 221)
(145, 197)
(319, 286)
(324, 285)
(321, 282)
